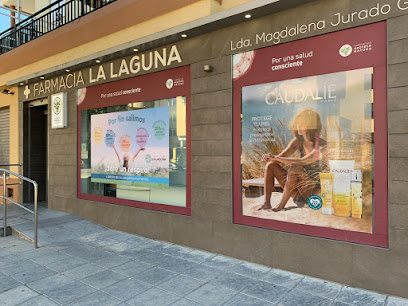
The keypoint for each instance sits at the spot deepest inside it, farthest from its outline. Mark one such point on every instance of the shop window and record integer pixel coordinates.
(310, 136)
(134, 147)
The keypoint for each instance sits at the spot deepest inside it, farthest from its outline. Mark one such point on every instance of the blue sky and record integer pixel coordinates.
(4, 21)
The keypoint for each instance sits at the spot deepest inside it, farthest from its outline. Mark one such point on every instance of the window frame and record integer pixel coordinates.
(153, 88)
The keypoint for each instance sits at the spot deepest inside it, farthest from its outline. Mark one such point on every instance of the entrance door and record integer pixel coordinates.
(35, 141)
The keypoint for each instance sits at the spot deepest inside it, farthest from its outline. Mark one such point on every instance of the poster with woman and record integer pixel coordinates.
(306, 138)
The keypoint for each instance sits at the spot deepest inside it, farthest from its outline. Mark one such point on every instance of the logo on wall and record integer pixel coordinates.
(27, 92)
(346, 50)
(169, 83)
(59, 115)
(56, 106)
(242, 63)
(81, 95)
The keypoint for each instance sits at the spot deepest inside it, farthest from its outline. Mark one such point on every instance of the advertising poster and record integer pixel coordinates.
(310, 140)
(131, 147)
(309, 144)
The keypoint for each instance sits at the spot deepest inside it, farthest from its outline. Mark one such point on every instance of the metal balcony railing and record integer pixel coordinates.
(51, 17)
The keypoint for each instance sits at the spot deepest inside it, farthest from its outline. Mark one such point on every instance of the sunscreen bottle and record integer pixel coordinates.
(342, 186)
(356, 194)
(326, 185)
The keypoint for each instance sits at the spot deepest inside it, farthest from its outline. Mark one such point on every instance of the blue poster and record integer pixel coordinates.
(131, 147)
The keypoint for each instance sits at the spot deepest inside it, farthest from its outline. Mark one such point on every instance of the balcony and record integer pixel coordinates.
(49, 18)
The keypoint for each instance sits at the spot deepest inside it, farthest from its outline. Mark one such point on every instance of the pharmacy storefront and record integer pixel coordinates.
(280, 140)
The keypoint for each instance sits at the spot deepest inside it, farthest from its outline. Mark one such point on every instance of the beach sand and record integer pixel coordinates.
(304, 215)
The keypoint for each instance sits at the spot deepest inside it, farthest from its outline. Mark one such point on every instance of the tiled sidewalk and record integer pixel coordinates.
(82, 263)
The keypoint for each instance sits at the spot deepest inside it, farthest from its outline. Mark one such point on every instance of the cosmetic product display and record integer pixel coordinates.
(326, 183)
(342, 170)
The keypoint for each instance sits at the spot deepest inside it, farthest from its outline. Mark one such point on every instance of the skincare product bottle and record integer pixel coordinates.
(326, 185)
(356, 194)
(342, 186)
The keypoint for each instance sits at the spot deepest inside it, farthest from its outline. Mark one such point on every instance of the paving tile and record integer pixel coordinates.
(159, 246)
(300, 298)
(127, 289)
(221, 262)
(85, 252)
(39, 301)
(148, 256)
(17, 248)
(249, 269)
(266, 291)
(243, 299)
(319, 287)
(395, 301)
(232, 281)
(132, 268)
(54, 281)
(50, 257)
(97, 299)
(36, 253)
(176, 264)
(155, 276)
(185, 302)
(140, 242)
(154, 297)
(211, 295)
(104, 243)
(8, 260)
(19, 267)
(84, 271)
(203, 273)
(175, 250)
(119, 236)
(67, 264)
(17, 295)
(69, 292)
(198, 256)
(134, 254)
(7, 283)
(4, 252)
(282, 278)
(103, 279)
(181, 285)
(94, 237)
(112, 261)
(356, 296)
(36, 273)
(337, 303)
(63, 245)
(118, 247)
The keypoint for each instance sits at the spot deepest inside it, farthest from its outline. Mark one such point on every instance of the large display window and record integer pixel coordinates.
(134, 141)
(310, 136)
